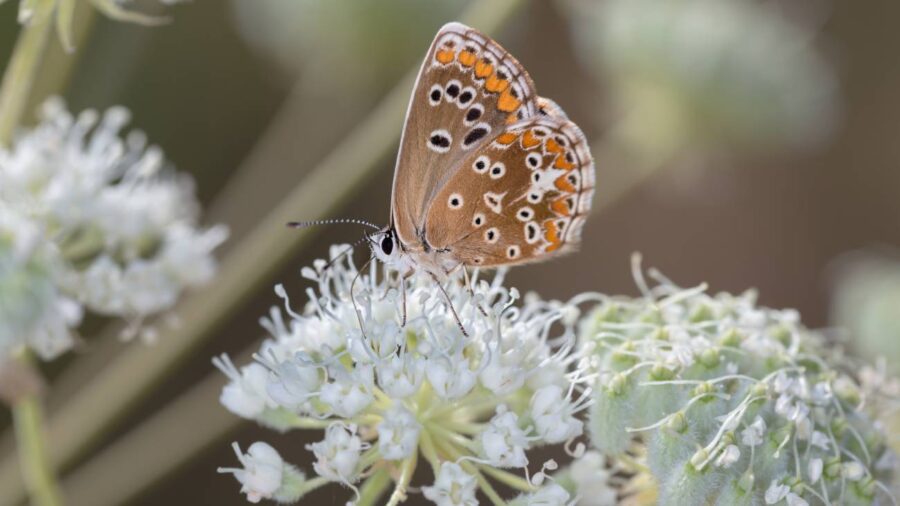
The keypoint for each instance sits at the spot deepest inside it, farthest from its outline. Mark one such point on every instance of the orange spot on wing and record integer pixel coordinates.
(563, 184)
(552, 247)
(495, 85)
(552, 232)
(561, 207)
(466, 58)
(529, 140)
(483, 69)
(553, 147)
(507, 138)
(510, 119)
(562, 163)
(445, 56)
(507, 102)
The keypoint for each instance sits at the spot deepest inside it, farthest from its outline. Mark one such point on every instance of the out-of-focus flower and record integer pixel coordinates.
(93, 221)
(588, 479)
(373, 43)
(698, 74)
(369, 383)
(726, 398)
(62, 11)
(32, 310)
(865, 298)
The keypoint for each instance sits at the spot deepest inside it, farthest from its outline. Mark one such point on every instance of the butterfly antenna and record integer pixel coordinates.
(339, 221)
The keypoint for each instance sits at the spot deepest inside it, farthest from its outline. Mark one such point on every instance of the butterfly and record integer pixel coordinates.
(489, 174)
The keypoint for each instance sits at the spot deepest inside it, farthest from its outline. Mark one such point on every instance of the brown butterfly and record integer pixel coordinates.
(489, 174)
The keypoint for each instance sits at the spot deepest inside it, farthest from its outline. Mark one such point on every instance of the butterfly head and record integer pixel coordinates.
(385, 246)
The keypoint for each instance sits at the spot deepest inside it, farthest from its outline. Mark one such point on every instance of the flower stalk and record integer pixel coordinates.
(18, 79)
(37, 471)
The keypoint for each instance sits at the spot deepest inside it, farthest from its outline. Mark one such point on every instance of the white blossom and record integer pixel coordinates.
(554, 415)
(262, 471)
(451, 377)
(551, 494)
(245, 395)
(592, 480)
(452, 487)
(728, 456)
(338, 454)
(398, 434)
(753, 434)
(503, 443)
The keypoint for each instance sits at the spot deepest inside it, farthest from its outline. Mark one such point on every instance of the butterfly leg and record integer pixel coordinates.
(471, 291)
(449, 303)
(403, 298)
(362, 327)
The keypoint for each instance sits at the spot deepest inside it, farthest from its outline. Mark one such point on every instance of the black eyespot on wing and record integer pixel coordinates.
(472, 114)
(435, 95)
(465, 97)
(440, 141)
(453, 90)
(474, 135)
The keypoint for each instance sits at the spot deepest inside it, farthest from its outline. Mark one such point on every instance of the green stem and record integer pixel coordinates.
(430, 452)
(507, 478)
(406, 473)
(22, 68)
(373, 488)
(36, 469)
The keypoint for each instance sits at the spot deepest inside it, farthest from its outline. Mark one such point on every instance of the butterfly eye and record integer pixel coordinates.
(455, 201)
(387, 245)
(497, 170)
(481, 164)
(434, 96)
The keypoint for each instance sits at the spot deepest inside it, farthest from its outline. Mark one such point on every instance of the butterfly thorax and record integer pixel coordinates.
(406, 257)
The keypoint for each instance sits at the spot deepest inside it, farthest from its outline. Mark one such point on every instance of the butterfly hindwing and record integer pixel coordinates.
(521, 197)
(468, 90)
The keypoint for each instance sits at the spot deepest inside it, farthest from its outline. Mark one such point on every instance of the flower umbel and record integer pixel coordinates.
(386, 392)
(93, 220)
(728, 402)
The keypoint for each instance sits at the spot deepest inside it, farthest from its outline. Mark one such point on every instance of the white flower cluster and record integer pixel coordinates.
(91, 220)
(731, 402)
(383, 367)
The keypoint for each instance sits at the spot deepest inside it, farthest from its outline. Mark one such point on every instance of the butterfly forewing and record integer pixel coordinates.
(520, 197)
(468, 90)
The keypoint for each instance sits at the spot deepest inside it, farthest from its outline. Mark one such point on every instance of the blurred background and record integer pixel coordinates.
(747, 144)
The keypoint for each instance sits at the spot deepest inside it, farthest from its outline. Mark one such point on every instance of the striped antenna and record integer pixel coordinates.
(342, 221)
